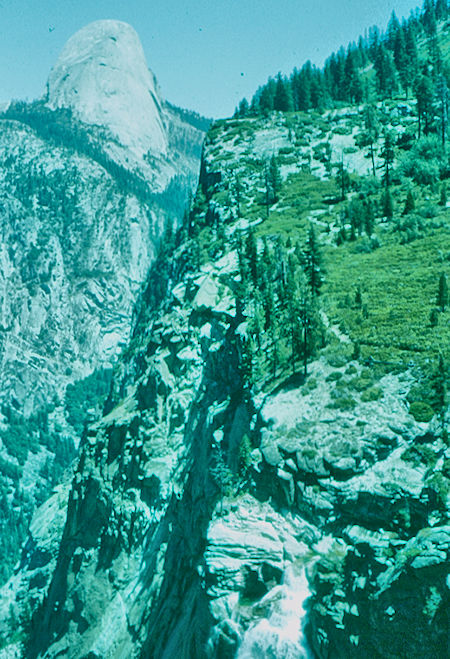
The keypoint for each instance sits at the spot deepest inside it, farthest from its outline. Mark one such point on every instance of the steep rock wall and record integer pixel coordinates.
(86, 197)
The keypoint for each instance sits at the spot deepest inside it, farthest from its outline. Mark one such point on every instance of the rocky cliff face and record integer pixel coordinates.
(90, 178)
(224, 505)
(99, 70)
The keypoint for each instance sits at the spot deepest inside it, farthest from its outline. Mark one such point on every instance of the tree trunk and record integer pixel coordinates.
(373, 158)
(305, 352)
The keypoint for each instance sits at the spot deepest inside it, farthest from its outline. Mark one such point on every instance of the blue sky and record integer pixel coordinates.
(206, 55)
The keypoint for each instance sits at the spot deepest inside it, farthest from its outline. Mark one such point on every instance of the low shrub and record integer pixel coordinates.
(343, 403)
(338, 356)
(360, 383)
(372, 394)
(335, 375)
(421, 411)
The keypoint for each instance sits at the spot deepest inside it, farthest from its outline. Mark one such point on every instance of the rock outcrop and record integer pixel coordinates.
(90, 179)
(102, 76)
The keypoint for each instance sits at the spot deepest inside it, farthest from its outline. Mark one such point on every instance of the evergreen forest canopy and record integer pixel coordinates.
(408, 58)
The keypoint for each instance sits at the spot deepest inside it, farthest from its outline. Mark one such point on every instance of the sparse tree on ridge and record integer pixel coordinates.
(283, 95)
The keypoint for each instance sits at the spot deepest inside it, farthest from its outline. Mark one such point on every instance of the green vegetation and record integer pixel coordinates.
(25, 435)
(86, 394)
(408, 58)
(15, 511)
(421, 411)
(60, 128)
(21, 435)
(277, 293)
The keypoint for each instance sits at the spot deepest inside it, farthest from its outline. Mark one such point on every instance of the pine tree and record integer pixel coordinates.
(393, 29)
(244, 269)
(273, 179)
(280, 268)
(343, 179)
(439, 385)
(443, 99)
(424, 95)
(301, 89)
(251, 252)
(256, 319)
(319, 91)
(401, 60)
(385, 72)
(409, 71)
(388, 157)
(339, 76)
(237, 192)
(442, 296)
(429, 18)
(388, 205)
(369, 218)
(372, 131)
(409, 203)
(269, 308)
(266, 263)
(266, 96)
(283, 95)
(268, 196)
(434, 317)
(293, 325)
(441, 9)
(356, 213)
(243, 109)
(353, 86)
(358, 297)
(247, 350)
(313, 263)
(310, 323)
(374, 41)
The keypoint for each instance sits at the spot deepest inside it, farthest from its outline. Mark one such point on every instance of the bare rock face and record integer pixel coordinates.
(103, 77)
(90, 177)
(84, 206)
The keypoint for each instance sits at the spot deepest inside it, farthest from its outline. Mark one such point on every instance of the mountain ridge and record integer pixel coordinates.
(80, 228)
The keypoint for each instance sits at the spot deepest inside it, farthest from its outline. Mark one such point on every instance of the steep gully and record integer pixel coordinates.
(170, 609)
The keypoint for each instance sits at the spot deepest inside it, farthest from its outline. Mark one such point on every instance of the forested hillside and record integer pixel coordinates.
(410, 59)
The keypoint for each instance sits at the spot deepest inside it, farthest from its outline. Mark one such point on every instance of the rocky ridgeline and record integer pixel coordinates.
(202, 514)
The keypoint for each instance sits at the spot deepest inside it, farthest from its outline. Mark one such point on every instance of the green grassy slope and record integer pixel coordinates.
(397, 268)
